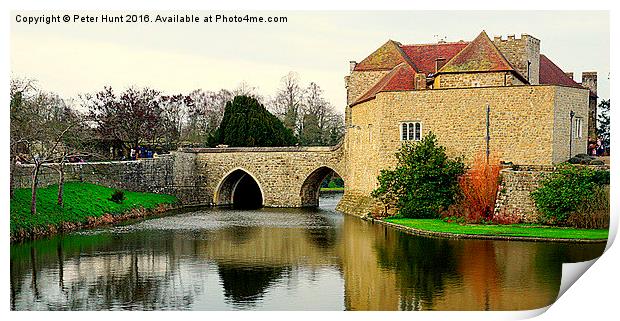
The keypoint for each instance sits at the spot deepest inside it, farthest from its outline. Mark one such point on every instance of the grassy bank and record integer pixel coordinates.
(81, 200)
(516, 230)
(332, 189)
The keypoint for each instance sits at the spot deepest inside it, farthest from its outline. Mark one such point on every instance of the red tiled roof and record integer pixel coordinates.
(551, 74)
(386, 57)
(399, 78)
(425, 56)
(480, 55)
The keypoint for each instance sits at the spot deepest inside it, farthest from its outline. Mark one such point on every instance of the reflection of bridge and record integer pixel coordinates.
(256, 176)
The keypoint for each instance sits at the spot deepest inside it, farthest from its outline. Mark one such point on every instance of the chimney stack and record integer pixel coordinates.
(570, 75)
(588, 80)
(419, 82)
(439, 62)
(352, 65)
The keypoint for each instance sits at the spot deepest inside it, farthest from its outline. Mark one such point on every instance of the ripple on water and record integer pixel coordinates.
(215, 219)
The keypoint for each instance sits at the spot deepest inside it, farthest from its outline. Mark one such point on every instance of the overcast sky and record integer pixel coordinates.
(71, 58)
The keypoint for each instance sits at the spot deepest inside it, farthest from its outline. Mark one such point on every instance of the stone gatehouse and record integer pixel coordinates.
(533, 112)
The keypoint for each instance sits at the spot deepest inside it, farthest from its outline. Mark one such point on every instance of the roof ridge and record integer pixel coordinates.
(372, 92)
(482, 37)
(544, 60)
(406, 57)
(460, 42)
(377, 61)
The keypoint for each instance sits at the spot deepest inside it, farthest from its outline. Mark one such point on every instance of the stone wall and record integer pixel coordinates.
(145, 175)
(475, 79)
(569, 99)
(356, 203)
(358, 83)
(522, 122)
(589, 80)
(526, 127)
(514, 193)
(519, 51)
(284, 174)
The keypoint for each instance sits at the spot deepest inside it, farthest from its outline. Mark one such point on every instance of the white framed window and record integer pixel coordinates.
(410, 131)
(578, 128)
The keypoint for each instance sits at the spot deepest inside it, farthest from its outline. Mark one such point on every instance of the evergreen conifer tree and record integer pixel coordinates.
(247, 123)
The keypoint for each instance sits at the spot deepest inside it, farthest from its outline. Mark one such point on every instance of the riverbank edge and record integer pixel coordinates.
(104, 220)
(421, 232)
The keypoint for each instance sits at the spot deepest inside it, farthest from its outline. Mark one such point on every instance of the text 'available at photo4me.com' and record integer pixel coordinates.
(146, 18)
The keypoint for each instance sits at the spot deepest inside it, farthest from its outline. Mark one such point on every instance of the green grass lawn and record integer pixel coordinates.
(332, 189)
(80, 201)
(438, 225)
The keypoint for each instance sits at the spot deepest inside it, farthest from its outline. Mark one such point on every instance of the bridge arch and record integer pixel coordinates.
(239, 188)
(312, 185)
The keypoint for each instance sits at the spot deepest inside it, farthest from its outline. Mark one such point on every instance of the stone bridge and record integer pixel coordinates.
(255, 176)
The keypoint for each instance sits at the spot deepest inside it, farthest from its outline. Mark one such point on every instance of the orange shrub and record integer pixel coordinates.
(479, 188)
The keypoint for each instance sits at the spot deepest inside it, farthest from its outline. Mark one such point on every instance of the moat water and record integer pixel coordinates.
(282, 259)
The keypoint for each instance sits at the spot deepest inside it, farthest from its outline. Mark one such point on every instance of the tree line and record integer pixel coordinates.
(49, 131)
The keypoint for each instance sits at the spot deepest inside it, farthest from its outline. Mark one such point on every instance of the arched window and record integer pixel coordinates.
(411, 131)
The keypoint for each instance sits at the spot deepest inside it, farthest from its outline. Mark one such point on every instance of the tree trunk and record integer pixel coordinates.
(11, 178)
(35, 183)
(61, 182)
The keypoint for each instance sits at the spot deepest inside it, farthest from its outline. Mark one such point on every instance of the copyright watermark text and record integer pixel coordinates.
(146, 18)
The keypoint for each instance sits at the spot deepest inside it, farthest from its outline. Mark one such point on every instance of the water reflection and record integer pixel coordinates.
(244, 285)
(282, 259)
(412, 258)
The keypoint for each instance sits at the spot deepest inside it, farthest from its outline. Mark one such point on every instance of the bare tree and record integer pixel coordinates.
(321, 122)
(288, 102)
(206, 114)
(21, 91)
(245, 89)
(44, 121)
(175, 112)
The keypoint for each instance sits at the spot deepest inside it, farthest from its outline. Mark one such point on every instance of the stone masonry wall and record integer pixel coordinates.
(514, 194)
(569, 99)
(145, 175)
(283, 174)
(359, 82)
(519, 51)
(522, 121)
(478, 79)
(280, 172)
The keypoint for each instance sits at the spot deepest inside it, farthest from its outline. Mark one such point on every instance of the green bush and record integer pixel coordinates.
(117, 197)
(565, 190)
(424, 182)
(336, 182)
(593, 214)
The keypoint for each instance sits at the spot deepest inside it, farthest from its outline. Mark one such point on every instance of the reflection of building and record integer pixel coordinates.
(402, 92)
(367, 286)
(327, 263)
